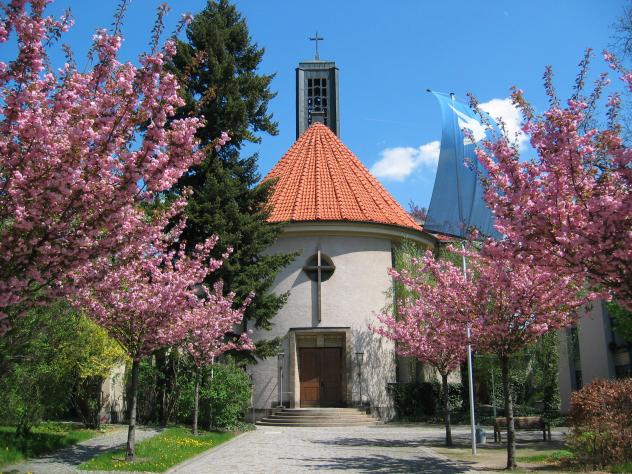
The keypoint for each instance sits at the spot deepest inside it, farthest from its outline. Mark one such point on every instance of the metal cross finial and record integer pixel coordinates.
(316, 39)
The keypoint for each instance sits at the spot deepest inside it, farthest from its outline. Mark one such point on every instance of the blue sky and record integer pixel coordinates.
(388, 55)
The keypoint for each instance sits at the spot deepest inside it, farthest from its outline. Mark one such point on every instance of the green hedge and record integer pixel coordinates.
(419, 401)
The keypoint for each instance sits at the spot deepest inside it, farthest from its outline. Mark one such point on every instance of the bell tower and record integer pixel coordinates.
(317, 93)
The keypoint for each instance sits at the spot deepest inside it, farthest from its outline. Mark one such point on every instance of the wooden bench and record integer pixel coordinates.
(528, 423)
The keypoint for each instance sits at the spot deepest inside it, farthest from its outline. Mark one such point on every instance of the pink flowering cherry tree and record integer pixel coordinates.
(513, 304)
(73, 148)
(211, 327)
(428, 324)
(149, 298)
(570, 206)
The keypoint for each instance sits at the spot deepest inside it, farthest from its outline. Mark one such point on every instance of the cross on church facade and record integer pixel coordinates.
(316, 39)
(319, 272)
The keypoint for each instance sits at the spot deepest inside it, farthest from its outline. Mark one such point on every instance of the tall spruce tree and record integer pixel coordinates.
(217, 67)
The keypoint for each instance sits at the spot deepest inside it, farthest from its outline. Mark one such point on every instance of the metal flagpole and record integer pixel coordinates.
(469, 368)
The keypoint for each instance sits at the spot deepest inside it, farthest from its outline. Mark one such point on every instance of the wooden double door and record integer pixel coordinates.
(320, 374)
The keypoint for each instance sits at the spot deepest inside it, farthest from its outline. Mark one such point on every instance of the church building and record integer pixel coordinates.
(344, 226)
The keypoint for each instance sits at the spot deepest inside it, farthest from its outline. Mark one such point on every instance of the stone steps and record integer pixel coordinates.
(312, 417)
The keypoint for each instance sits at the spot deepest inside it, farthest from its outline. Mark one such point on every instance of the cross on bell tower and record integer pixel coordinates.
(316, 39)
(319, 268)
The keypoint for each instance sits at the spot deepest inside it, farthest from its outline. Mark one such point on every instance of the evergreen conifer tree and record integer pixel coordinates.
(218, 71)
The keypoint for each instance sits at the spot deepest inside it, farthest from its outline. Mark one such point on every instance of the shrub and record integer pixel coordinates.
(601, 423)
(224, 397)
(227, 396)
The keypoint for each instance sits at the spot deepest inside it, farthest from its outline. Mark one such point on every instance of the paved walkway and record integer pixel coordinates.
(65, 461)
(384, 448)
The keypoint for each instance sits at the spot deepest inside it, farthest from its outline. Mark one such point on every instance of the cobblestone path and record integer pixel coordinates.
(386, 448)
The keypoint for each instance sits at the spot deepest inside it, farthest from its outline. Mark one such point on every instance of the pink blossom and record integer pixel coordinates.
(73, 147)
(569, 208)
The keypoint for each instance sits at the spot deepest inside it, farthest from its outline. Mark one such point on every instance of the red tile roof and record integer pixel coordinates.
(319, 179)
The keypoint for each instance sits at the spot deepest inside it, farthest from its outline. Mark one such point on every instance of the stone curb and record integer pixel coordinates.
(184, 464)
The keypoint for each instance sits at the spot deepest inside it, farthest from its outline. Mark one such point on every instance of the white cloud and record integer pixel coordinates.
(504, 110)
(398, 163)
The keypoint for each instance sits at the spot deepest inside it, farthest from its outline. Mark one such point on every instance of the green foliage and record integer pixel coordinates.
(161, 378)
(403, 256)
(421, 401)
(533, 377)
(601, 423)
(48, 351)
(45, 438)
(157, 454)
(218, 70)
(622, 320)
(217, 67)
(225, 393)
(148, 396)
(546, 381)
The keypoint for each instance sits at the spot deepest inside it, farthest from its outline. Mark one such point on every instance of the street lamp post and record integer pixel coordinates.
(360, 359)
(493, 394)
(280, 357)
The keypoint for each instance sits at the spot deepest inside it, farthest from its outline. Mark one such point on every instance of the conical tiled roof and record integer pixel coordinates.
(319, 179)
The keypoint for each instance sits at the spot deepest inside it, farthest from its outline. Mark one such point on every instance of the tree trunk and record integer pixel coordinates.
(511, 437)
(131, 432)
(446, 409)
(196, 401)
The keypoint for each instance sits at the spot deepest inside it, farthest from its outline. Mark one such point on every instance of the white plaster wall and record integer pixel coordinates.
(350, 298)
(113, 395)
(594, 337)
(596, 360)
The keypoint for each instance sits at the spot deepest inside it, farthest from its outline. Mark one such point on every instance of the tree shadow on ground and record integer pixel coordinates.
(384, 463)
(416, 459)
(535, 445)
(374, 442)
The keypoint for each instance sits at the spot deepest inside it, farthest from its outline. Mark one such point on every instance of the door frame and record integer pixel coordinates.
(320, 337)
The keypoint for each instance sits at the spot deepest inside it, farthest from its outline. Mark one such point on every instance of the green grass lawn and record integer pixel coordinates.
(543, 456)
(159, 453)
(546, 457)
(43, 439)
(627, 467)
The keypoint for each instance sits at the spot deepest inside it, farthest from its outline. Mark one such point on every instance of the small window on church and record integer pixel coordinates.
(324, 82)
(316, 82)
(326, 267)
(309, 83)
